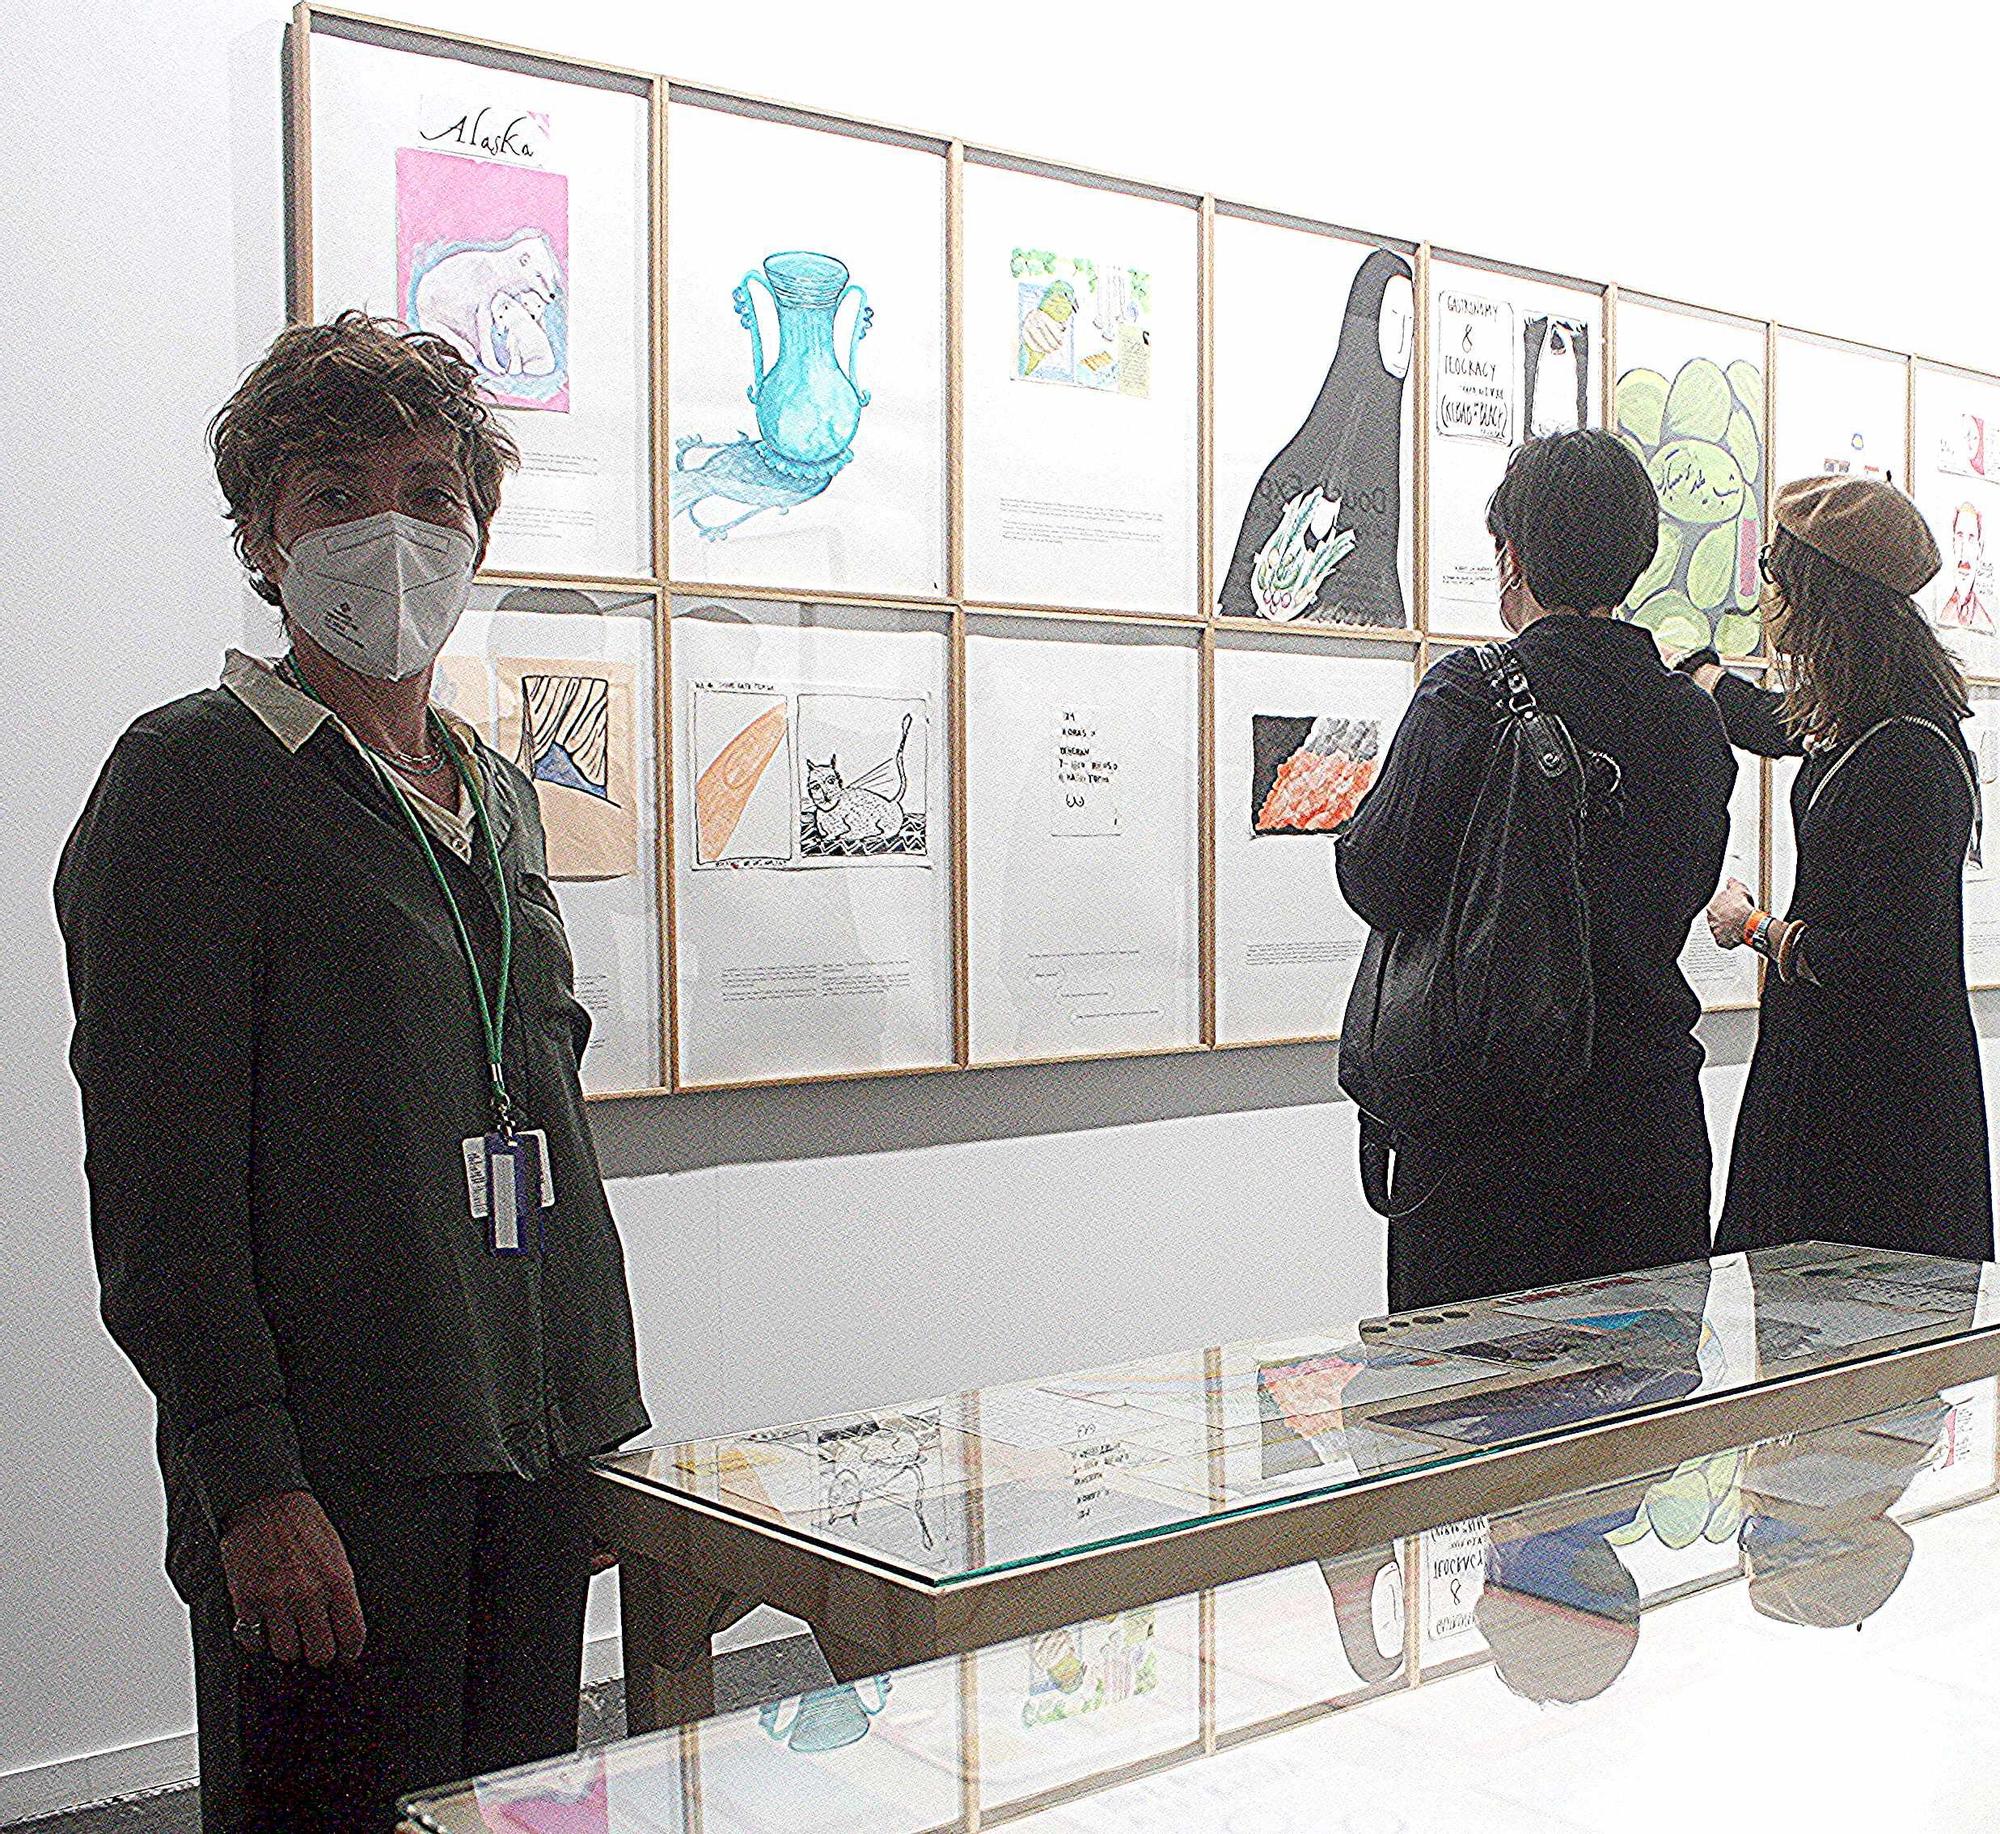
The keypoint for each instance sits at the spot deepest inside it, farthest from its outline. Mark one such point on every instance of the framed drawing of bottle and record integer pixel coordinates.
(1514, 355)
(502, 202)
(1315, 347)
(1081, 382)
(806, 351)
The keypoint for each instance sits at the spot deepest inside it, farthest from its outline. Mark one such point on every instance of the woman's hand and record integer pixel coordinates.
(1728, 912)
(288, 1576)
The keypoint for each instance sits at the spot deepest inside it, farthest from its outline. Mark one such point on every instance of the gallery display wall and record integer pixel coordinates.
(983, 540)
(797, 1247)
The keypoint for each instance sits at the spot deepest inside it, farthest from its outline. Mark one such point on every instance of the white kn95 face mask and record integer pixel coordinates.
(381, 594)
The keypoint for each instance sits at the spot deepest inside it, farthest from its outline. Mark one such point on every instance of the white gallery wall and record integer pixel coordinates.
(817, 1249)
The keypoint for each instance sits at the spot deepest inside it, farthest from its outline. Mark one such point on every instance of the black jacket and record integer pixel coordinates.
(279, 1062)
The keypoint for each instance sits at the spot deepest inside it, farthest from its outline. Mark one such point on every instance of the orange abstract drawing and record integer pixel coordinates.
(724, 789)
(1308, 775)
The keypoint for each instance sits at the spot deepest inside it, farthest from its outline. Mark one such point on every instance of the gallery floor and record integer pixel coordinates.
(743, 1678)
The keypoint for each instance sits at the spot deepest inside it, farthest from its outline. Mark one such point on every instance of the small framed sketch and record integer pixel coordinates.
(1081, 385)
(1083, 848)
(806, 369)
(1315, 342)
(503, 202)
(1838, 410)
(1690, 401)
(1301, 729)
(1957, 486)
(813, 930)
(563, 681)
(1514, 355)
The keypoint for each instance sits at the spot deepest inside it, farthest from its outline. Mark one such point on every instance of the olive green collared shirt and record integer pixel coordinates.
(280, 1062)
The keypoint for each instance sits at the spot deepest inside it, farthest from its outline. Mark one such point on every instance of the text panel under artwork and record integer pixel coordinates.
(1301, 729)
(1314, 336)
(1080, 357)
(509, 215)
(1690, 404)
(560, 682)
(1512, 359)
(1957, 487)
(1083, 807)
(806, 388)
(812, 868)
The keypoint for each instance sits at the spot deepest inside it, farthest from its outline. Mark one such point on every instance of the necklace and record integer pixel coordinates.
(416, 764)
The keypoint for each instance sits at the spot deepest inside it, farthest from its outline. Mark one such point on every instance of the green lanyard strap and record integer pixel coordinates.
(492, 1013)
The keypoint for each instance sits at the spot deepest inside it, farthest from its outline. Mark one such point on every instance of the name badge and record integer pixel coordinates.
(510, 1186)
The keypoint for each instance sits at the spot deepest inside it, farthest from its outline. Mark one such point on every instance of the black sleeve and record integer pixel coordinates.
(1897, 818)
(1395, 857)
(160, 920)
(1755, 718)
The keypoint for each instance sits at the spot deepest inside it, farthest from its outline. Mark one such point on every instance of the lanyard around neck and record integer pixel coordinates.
(491, 1012)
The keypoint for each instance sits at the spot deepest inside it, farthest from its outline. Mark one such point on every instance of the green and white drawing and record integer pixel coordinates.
(1701, 1501)
(1701, 439)
(1082, 324)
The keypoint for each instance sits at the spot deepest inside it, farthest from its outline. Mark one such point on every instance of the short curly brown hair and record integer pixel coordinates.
(329, 388)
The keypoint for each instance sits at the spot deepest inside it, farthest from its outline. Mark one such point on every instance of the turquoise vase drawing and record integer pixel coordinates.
(826, 1719)
(808, 402)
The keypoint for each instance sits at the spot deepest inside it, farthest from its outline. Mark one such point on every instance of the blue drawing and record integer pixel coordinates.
(566, 732)
(826, 1719)
(808, 406)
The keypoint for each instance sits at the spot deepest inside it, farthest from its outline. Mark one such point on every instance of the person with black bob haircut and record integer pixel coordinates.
(1615, 1174)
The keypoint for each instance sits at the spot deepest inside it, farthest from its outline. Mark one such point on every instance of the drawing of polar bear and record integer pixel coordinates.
(461, 296)
(520, 340)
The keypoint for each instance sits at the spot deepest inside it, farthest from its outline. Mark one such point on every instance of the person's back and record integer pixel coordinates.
(1616, 1173)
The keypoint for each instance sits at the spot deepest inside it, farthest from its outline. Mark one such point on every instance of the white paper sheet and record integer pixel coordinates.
(1281, 297)
(802, 964)
(1842, 411)
(1507, 357)
(581, 503)
(1982, 878)
(1286, 942)
(740, 192)
(612, 923)
(1957, 486)
(1690, 398)
(1080, 458)
(1083, 797)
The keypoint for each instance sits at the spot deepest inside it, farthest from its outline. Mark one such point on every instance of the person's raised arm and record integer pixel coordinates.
(1754, 717)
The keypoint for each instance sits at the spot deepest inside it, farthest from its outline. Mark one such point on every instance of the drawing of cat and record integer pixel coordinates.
(846, 812)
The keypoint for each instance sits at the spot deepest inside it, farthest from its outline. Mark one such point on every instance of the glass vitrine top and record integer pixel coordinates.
(959, 1487)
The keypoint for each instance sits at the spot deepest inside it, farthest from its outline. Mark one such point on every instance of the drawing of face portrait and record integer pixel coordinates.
(1396, 328)
(1972, 438)
(1966, 606)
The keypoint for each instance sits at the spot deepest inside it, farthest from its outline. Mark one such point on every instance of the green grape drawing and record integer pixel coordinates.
(1701, 439)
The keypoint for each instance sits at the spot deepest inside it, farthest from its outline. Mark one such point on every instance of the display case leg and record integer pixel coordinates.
(667, 1627)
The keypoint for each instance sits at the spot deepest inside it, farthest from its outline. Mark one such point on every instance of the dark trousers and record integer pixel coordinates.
(473, 1592)
(1601, 1187)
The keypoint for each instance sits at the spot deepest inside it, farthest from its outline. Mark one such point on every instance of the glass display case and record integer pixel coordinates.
(1282, 1613)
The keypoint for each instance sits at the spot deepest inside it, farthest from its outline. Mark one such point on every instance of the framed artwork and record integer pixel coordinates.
(1690, 401)
(1315, 349)
(1838, 410)
(563, 681)
(1083, 848)
(1301, 729)
(1957, 486)
(812, 840)
(1514, 356)
(806, 361)
(1081, 388)
(501, 202)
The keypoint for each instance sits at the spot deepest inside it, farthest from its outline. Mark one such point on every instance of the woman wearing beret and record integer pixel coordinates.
(348, 1219)
(1863, 1119)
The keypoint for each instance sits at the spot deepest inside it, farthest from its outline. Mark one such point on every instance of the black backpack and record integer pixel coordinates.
(1489, 1013)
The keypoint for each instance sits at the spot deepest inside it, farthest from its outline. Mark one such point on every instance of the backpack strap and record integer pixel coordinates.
(1958, 757)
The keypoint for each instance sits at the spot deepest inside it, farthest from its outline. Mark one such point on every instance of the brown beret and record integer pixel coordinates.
(1868, 526)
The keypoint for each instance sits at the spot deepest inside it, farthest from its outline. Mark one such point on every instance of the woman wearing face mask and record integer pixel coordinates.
(1863, 1119)
(347, 1214)
(1615, 1174)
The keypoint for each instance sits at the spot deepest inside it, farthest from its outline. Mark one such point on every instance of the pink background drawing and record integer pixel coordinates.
(447, 202)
